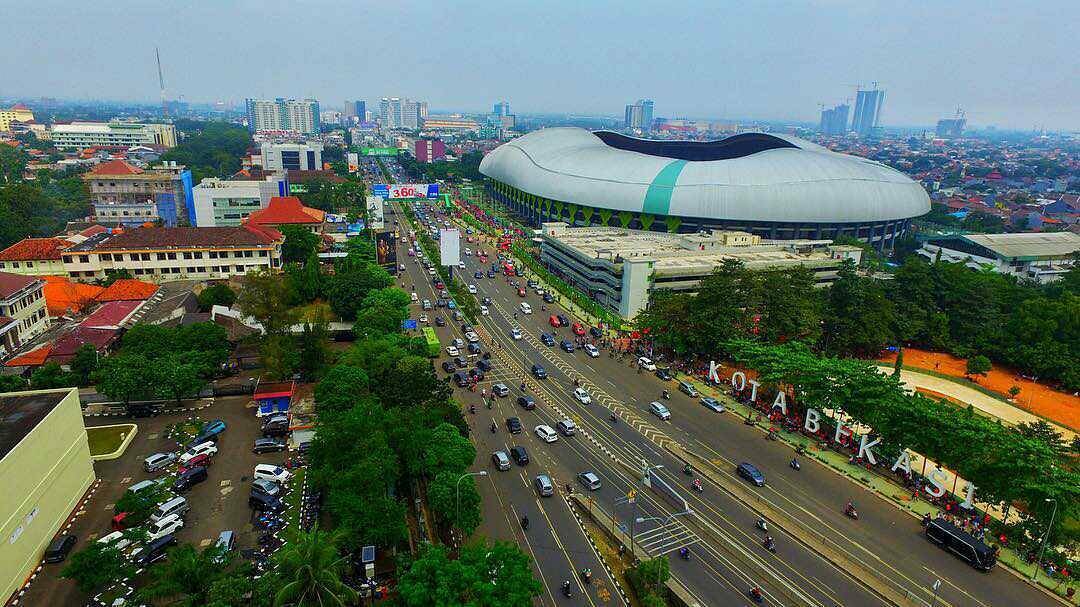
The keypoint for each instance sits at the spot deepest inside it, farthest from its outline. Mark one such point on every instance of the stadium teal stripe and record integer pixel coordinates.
(658, 197)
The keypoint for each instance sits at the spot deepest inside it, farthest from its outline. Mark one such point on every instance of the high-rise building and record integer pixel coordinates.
(357, 109)
(952, 127)
(305, 156)
(639, 115)
(501, 108)
(867, 110)
(15, 113)
(402, 113)
(410, 115)
(296, 115)
(834, 121)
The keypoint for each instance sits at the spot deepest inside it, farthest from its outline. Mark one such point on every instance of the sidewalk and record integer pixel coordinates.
(1009, 414)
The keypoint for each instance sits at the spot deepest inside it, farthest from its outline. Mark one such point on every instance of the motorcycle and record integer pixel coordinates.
(472, 409)
(566, 588)
(769, 545)
(586, 575)
(494, 427)
(688, 469)
(524, 522)
(795, 464)
(755, 595)
(851, 511)
(761, 524)
(697, 486)
(666, 395)
(614, 418)
(684, 553)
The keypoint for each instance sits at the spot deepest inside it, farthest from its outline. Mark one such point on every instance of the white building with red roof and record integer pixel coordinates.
(35, 256)
(124, 194)
(288, 211)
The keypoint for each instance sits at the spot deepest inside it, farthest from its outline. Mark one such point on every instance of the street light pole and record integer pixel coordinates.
(1042, 546)
(457, 491)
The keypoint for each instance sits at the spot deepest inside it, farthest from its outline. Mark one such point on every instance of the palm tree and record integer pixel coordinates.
(186, 577)
(310, 567)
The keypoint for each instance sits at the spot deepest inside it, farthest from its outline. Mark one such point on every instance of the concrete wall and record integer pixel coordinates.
(43, 477)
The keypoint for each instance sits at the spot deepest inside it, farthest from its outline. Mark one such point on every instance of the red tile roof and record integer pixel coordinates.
(283, 210)
(185, 237)
(65, 297)
(11, 283)
(66, 347)
(33, 358)
(115, 167)
(31, 249)
(127, 289)
(111, 315)
(94, 229)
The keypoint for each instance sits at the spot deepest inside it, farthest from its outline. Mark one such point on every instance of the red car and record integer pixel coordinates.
(199, 460)
(521, 292)
(578, 329)
(440, 286)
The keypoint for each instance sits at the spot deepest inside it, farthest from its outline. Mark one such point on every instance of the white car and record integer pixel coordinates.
(472, 289)
(472, 337)
(452, 351)
(516, 334)
(525, 308)
(547, 434)
(582, 396)
(659, 410)
(207, 448)
(461, 265)
(272, 473)
(468, 252)
(165, 526)
(592, 350)
(483, 310)
(431, 271)
(646, 363)
(423, 318)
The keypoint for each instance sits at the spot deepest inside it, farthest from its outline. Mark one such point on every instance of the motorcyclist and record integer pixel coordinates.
(684, 552)
(795, 463)
(566, 587)
(697, 484)
(769, 543)
(614, 417)
(755, 593)
(525, 522)
(472, 408)
(586, 574)
(493, 427)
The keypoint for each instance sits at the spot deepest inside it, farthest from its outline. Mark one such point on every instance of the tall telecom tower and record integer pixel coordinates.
(161, 82)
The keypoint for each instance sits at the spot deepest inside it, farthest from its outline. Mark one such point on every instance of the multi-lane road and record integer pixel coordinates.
(726, 552)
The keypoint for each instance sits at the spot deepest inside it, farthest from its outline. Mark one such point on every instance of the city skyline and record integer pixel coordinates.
(722, 68)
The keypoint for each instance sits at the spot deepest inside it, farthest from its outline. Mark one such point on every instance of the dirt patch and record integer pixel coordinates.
(1036, 397)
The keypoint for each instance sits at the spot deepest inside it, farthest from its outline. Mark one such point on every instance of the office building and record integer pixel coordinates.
(430, 150)
(402, 113)
(115, 135)
(410, 115)
(22, 311)
(165, 254)
(15, 113)
(450, 123)
(834, 121)
(1039, 256)
(501, 108)
(951, 127)
(356, 109)
(122, 194)
(285, 115)
(390, 113)
(305, 156)
(776, 186)
(46, 469)
(619, 268)
(646, 113)
(867, 111)
(219, 202)
(639, 115)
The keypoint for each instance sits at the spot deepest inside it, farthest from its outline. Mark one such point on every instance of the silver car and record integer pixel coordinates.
(544, 486)
(501, 460)
(159, 461)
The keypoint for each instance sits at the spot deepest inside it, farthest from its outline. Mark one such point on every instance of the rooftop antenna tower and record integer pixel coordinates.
(161, 83)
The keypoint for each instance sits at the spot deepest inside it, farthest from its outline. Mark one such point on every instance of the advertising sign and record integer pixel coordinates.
(385, 251)
(375, 212)
(399, 191)
(450, 247)
(354, 162)
(378, 151)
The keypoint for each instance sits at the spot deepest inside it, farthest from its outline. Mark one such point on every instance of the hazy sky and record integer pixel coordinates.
(1010, 64)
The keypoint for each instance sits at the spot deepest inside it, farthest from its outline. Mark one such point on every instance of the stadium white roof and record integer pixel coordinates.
(749, 177)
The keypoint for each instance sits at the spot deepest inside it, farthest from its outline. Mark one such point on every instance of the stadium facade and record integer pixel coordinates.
(775, 186)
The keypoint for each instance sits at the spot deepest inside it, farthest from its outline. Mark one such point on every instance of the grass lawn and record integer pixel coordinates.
(292, 499)
(105, 440)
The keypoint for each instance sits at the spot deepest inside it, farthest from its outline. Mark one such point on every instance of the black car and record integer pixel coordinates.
(461, 379)
(663, 373)
(487, 301)
(483, 365)
(155, 550)
(271, 430)
(548, 297)
(526, 402)
(461, 362)
(539, 372)
(567, 345)
(596, 332)
(548, 339)
(265, 503)
(491, 274)
(473, 348)
(478, 274)
(59, 548)
(190, 478)
(476, 374)
(532, 284)
(751, 473)
(513, 424)
(466, 327)
(519, 455)
(448, 366)
(440, 321)
(267, 445)
(563, 320)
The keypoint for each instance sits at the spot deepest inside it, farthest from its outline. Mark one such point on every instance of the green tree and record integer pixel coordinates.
(498, 575)
(455, 503)
(83, 363)
(340, 388)
(382, 311)
(647, 579)
(264, 297)
(12, 383)
(50, 375)
(210, 149)
(314, 350)
(300, 244)
(186, 577)
(978, 365)
(858, 315)
(448, 451)
(217, 294)
(279, 356)
(139, 506)
(351, 284)
(13, 161)
(178, 376)
(311, 571)
(126, 377)
(789, 305)
(97, 566)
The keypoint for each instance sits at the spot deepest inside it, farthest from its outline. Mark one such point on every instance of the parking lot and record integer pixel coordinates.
(217, 504)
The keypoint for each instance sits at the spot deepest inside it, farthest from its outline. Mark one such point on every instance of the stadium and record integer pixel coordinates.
(775, 186)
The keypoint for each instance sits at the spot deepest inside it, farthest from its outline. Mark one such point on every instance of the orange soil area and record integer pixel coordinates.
(1040, 399)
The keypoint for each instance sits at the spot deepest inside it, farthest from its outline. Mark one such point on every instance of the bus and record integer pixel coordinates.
(434, 347)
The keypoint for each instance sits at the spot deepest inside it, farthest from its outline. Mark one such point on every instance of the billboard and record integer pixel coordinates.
(398, 191)
(450, 247)
(375, 212)
(385, 251)
(354, 162)
(378, 151)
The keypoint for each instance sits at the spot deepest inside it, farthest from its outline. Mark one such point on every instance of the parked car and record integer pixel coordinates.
(659, 410)
(460, 379)
(483, 365)
(214, 427)
(577, 329)
(159, 461)
(646, 363)
(207, 448)
(591, 350)
(548, 339)
(198, 460)
(268, 445)
(276, 425)
(448, 366)
(688, 389)
(452, 351)
(271, 472)
(154, 551)
(266, 487)
(189, 478)
(567, 346)
(663, 373)
(166, 526)
(751, 473)
(59, 548)
(539, 372)
(596, 332)
(500, 389)
(563, 320)
(265, 503)
(712, 404)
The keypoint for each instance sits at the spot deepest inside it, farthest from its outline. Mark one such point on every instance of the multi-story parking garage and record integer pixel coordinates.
(775, 186)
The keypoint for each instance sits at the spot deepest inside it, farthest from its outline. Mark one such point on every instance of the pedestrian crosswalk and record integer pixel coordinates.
(662, 539)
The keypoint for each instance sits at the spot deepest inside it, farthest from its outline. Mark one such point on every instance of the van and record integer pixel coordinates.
(166, 526)
(566, 427)
(177, 505)
(116, 539)
(59, 548)
(962, 544)
(688, 389)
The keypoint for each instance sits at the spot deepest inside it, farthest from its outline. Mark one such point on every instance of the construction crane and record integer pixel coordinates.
(161, 83)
